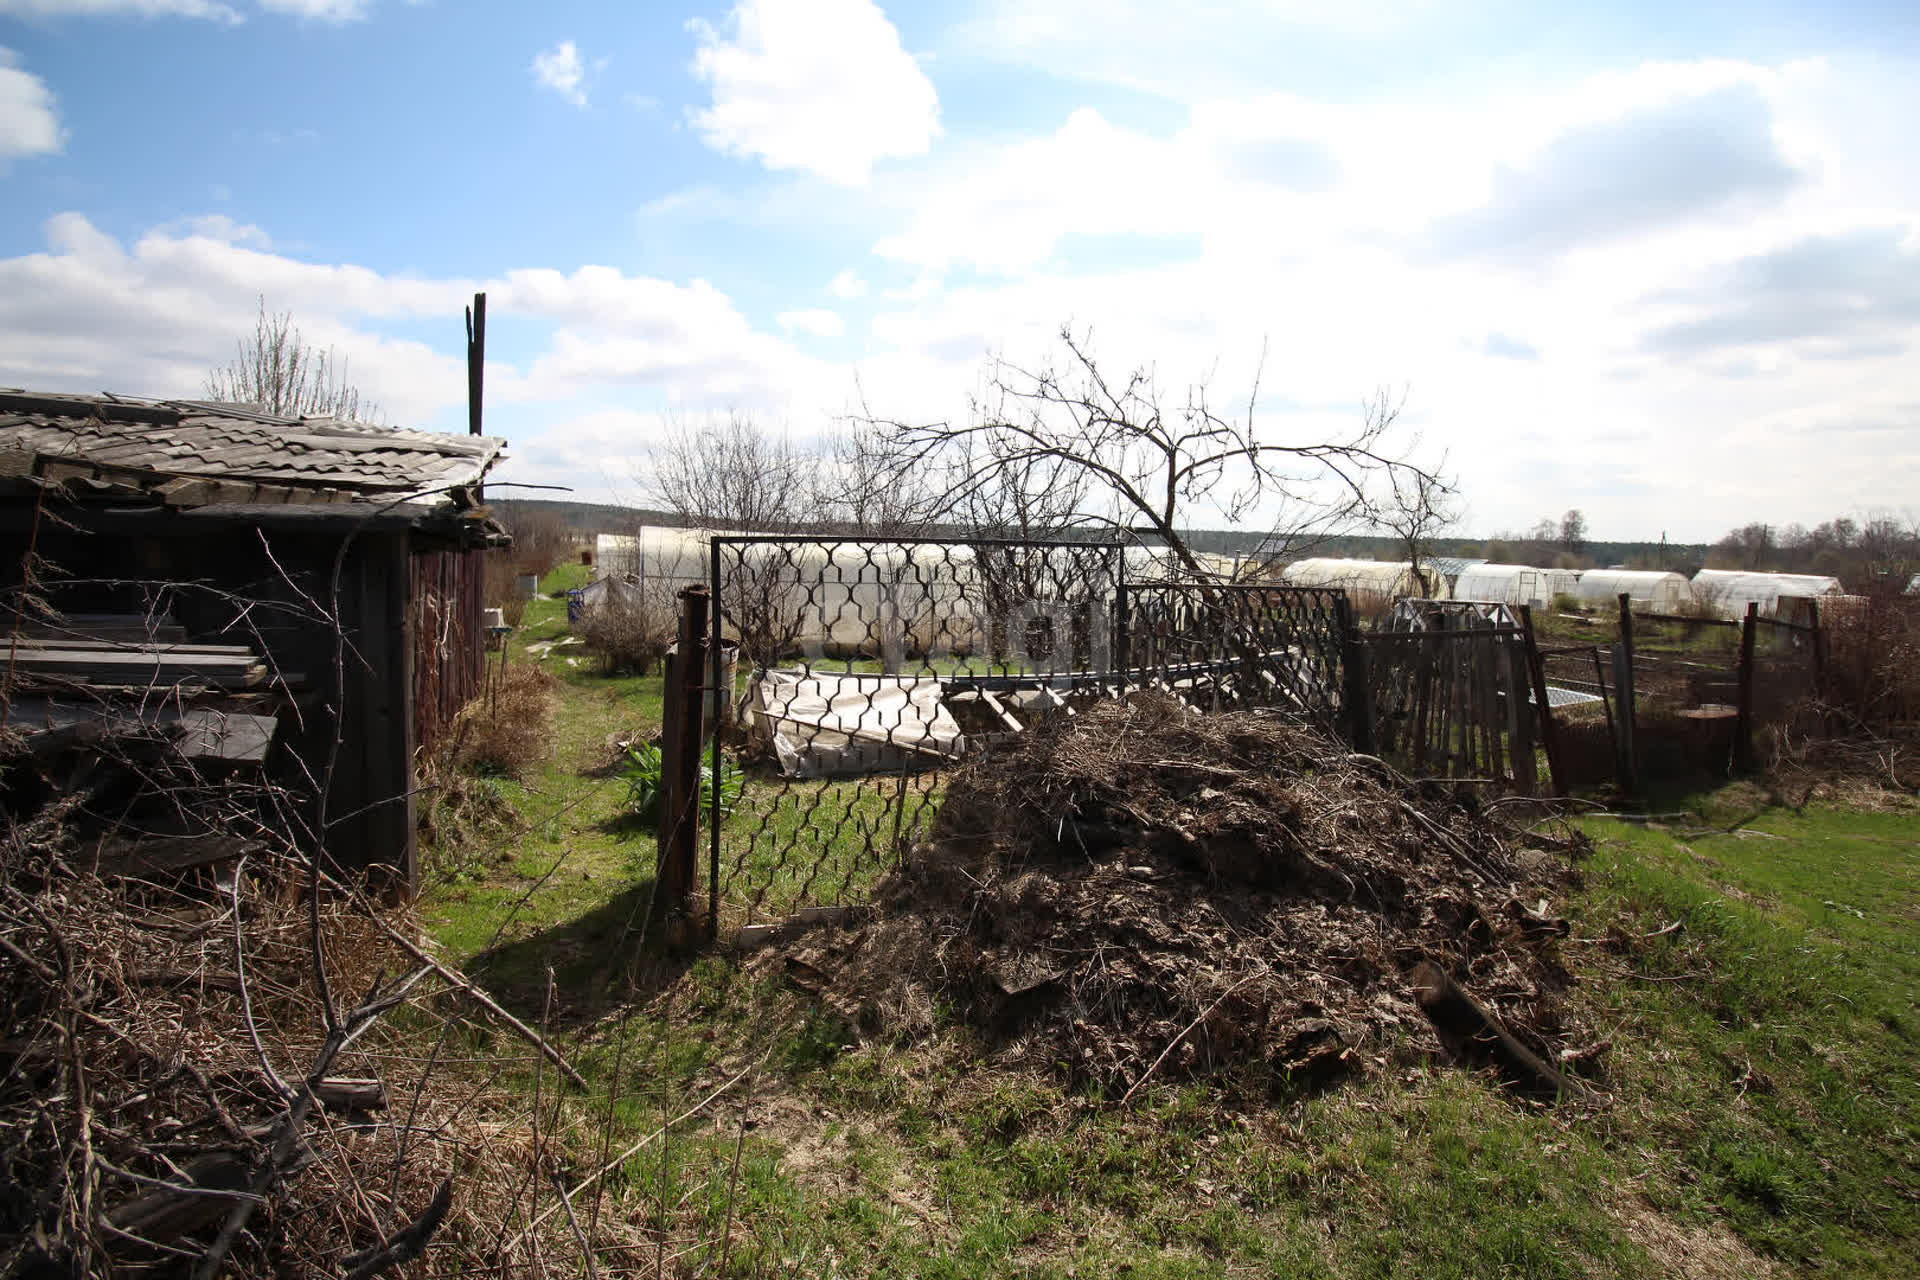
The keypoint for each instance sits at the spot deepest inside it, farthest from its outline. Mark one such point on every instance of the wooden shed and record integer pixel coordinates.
(333, 567)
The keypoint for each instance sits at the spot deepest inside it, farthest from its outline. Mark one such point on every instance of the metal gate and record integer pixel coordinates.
(1449, 691)
(868, 670)
(1235, 646)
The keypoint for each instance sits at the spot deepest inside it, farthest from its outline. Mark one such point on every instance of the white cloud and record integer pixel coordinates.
(210, 10)
(847, 284)
(91, 313)
(207, 9)
(28, 123)
(1190, 51)
(813, 322)
(321, 10)
(561, 70)
(816, 85)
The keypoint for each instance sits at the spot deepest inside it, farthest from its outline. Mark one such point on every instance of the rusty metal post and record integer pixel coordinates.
(680, 808)
(1537, 672)
(1743, 699)
(1626, 698)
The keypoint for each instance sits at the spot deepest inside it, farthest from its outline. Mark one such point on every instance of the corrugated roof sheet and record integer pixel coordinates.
(194, 452)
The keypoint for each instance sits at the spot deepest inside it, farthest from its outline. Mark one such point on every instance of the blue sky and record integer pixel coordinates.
(1658, 262)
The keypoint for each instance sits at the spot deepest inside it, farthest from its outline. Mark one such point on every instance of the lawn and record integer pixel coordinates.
(1756, 971)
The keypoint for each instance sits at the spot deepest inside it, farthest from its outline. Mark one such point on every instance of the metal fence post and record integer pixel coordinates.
(1624, 697)
(1743, 698)
(722, 698)
(673, 884)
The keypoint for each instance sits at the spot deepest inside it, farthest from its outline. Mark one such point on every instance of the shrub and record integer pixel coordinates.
(508, 729)
(1873, 660)
(500, 586)
(647, 784)
(629, 635)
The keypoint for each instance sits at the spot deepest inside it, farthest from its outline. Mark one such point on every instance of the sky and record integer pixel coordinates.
(1657, 262)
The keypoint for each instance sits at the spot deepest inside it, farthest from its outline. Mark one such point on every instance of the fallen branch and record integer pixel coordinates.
(406, 1244)
(1472, 1027)
(488, 1003)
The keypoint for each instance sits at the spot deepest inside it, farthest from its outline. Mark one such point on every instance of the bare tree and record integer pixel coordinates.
(1415, 507)
(731, 474)
(1143, 459)
(858, 491)
(1573, 531)
(277, 370)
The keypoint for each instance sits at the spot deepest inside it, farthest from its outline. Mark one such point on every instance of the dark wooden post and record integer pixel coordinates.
(1359, 693)
(1537, 668)
(1625, 698)
(1819, 644)
(1743, 699)
(476, 360)
(680, 808)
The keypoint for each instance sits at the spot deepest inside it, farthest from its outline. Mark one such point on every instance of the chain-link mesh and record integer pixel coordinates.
(868, 671)
(1236, 646)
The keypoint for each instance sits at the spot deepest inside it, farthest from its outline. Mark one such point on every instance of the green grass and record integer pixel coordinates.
(1770, 1040)
(1764, 1097)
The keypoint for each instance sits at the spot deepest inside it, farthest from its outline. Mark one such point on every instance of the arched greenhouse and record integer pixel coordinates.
(1649, 589)
(1728, 592)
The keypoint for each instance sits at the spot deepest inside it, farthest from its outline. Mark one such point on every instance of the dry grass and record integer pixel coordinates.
(508, 729)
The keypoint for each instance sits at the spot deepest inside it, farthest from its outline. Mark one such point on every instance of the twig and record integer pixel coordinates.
(594, 1177)
(293, 1119)
(407, 1243)
(1127, 1097)
(488, 1003)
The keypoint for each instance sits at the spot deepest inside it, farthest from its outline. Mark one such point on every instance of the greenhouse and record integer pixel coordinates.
(1371, 584)
(1728, 592)
(1513, 584)
(1649, 589)
(843, 599)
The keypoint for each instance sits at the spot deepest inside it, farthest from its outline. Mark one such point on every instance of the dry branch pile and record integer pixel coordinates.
(1149, 891)
(169, 1064)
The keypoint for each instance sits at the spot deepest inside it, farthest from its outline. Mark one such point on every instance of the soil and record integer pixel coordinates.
(1143, 890)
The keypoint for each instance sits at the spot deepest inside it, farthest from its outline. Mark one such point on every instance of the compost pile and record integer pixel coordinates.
(1145, 889)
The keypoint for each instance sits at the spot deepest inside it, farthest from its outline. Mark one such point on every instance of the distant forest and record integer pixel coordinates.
(1854, 550)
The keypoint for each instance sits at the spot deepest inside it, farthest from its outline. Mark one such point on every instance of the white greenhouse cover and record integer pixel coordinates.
(1380, 581)
(1649, 588)
(1506, 584)
(1729, 591)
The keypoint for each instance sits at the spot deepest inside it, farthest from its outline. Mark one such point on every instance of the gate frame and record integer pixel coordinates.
(1115, 547)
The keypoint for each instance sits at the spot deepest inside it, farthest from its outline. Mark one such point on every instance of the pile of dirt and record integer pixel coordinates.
(1144, 890)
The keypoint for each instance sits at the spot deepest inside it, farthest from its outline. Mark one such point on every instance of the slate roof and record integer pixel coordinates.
(196, 453)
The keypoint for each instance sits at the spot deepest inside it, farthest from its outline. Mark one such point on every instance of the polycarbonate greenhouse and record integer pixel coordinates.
(1371, 584)
(1513, 584)
(1649, 589)
(1728, 592)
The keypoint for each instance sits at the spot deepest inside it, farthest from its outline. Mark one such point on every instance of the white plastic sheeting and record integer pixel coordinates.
(823, 724)
(1649, 589)
(1728, 591)
(1372, 584)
